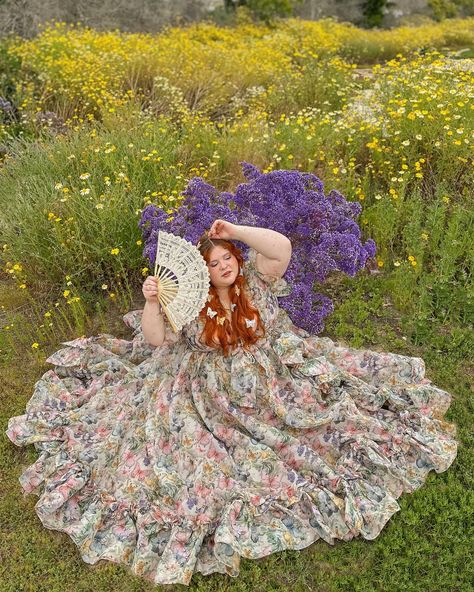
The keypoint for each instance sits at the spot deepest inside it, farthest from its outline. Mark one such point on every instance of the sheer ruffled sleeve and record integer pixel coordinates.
(257, 280)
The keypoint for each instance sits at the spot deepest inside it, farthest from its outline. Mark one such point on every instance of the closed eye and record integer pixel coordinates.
(228, 257)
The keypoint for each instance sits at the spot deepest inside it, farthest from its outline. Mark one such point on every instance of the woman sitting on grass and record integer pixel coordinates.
(240, 436)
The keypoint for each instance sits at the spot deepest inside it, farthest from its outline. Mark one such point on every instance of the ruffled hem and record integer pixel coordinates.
(166, 549)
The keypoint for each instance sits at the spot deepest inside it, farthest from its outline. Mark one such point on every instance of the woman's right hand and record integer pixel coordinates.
(151, 289)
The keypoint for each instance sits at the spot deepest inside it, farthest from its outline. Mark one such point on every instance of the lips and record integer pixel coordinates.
(226, 274)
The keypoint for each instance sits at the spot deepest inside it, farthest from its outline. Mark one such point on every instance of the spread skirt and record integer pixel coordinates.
(175, 460)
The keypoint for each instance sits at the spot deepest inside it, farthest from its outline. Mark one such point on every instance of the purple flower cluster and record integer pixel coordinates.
(201, 206)
(322, 230)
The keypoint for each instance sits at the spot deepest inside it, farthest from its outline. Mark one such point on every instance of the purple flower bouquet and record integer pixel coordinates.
(322, 228)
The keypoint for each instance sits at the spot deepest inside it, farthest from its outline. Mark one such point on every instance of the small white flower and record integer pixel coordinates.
(406, 142)
(99, 206)
(84, 176)
(58, 186)
(378, 196)
(104, 286)
(85, 191)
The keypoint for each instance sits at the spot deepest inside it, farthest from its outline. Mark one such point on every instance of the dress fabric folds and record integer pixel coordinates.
(176, 460)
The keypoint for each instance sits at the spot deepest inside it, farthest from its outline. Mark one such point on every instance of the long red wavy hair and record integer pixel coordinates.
(228, 335)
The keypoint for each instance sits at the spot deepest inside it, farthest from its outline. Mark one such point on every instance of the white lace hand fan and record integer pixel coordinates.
(184, 279)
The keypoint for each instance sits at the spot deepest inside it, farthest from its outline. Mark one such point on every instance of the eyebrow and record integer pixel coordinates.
(215, 260)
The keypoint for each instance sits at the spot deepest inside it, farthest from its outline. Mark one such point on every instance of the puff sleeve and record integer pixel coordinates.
(260, 282)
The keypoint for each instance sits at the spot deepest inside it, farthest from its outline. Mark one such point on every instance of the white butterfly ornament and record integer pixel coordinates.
(211, 313)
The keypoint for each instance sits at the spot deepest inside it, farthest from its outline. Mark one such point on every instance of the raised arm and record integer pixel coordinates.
(273, 248)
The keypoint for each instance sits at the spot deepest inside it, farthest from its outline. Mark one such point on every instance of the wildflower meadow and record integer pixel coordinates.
(99, 129)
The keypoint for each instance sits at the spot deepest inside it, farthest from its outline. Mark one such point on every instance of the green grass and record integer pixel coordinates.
(424, 547)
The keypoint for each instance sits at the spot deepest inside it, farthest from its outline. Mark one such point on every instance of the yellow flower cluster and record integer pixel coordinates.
(86, 74)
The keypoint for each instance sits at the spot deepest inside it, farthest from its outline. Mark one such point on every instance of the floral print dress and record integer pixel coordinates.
(175, 460)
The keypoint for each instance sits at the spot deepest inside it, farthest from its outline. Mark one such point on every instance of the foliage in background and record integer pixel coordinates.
(443, 9)
(373, 11)
(26, 17)
(264, 10)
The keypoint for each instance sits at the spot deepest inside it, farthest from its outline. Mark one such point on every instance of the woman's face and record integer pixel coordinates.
(222, 261)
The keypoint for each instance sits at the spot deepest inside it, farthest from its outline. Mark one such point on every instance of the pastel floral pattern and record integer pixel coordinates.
(176, 460)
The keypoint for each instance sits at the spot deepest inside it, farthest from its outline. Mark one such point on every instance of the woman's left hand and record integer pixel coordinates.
(222, 229)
